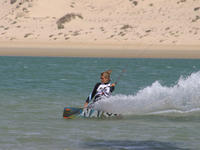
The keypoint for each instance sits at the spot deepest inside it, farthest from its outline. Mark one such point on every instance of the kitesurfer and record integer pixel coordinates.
(101, 89)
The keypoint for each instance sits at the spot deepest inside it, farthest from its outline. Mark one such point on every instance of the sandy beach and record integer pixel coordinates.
(130, 29)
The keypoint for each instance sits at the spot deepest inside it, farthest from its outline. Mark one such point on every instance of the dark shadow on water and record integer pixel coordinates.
(130, 145)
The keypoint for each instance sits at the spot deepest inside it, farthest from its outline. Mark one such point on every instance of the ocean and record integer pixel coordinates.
(159, 100)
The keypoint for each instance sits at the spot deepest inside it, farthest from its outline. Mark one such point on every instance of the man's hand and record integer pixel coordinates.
(86, 105)
(113, 84)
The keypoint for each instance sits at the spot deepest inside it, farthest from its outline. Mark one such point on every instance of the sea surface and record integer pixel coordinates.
(159, 100)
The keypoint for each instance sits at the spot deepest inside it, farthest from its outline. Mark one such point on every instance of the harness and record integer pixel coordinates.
(102, 91)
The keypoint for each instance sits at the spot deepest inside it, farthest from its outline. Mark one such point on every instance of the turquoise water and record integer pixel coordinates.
(159, 100)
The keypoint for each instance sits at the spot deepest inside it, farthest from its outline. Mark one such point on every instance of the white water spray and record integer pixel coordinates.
(182, 98)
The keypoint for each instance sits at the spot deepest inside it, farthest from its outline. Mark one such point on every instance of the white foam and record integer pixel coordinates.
(182, 97)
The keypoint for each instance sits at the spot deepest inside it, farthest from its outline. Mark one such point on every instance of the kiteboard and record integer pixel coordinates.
(77, 112)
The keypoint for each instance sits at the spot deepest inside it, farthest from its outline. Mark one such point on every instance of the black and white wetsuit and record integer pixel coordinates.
(100, 90)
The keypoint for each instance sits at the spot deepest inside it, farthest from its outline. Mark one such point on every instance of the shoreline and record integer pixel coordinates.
(97, 49)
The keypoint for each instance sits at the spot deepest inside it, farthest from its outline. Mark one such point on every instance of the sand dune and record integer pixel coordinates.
(147, 22)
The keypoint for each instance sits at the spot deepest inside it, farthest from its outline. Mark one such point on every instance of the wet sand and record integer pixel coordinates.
(116, 50)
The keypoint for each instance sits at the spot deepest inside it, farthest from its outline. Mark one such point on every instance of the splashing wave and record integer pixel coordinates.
(183, 97)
